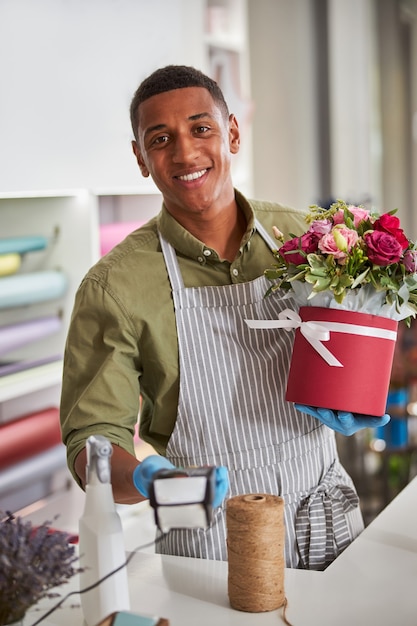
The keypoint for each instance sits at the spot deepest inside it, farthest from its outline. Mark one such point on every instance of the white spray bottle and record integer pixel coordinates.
(101, 542)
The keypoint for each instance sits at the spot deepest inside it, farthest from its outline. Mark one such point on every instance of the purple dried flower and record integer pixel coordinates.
(33, 560)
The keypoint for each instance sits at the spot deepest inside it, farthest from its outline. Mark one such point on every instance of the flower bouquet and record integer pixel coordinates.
(353, 274)
(33, 560)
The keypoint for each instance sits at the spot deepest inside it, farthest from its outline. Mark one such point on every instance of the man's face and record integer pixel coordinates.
(185, 144)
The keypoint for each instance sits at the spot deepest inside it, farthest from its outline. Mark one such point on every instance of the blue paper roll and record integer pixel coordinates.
(15, 336)
(20, 245)
(30, 288)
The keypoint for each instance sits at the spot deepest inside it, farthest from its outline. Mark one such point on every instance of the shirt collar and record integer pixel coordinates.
(190, 246)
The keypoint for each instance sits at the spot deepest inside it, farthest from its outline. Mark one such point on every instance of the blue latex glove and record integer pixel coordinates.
(342, 421)
(222, 485)
(143, 474)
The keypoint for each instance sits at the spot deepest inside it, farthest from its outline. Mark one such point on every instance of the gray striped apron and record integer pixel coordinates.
(232, 412)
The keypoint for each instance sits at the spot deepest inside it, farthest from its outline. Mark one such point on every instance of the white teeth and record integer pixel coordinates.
(193, 176)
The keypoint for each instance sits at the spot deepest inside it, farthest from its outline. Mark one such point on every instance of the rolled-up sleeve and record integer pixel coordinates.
(100, 386)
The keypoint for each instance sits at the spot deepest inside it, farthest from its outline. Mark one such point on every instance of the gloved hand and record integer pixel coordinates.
(342, 421)
(143, 474)
(222, 485)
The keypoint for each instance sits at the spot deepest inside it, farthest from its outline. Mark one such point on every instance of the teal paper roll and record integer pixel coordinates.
(30, 288)
(20, 245)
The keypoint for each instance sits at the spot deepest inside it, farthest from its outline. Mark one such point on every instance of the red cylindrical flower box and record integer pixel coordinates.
(361, 383)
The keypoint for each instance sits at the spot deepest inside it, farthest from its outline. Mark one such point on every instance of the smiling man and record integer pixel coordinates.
(184, 140)
(162, 318)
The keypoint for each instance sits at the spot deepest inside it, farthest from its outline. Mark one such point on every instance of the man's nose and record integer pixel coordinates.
(185, 148)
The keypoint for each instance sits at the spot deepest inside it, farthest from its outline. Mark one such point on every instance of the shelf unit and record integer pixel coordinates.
(69, 220)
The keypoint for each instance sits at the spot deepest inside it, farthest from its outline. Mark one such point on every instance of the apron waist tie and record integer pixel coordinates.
(321, 525)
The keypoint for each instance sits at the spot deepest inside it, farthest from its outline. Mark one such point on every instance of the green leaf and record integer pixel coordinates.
(359, 279)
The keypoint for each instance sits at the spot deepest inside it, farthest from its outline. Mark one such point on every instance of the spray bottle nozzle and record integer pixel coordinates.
(99, 451)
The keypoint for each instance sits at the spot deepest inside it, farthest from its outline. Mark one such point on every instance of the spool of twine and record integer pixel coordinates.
(255, 546)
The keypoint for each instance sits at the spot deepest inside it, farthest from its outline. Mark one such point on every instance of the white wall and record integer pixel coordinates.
(354, 102)
(397, 21)
(68, 70)
(286, 84)
(413, 208)
(284, 90)
(371, 101)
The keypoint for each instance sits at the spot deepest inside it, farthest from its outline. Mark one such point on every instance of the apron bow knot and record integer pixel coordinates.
(321, 527)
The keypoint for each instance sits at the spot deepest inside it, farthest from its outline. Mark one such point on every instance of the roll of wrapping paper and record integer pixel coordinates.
(255, 546)
(30, 288)
(8, 368)
(15, 336)
(114, 233)
(20, 245)
(28, 435)
(9, 263)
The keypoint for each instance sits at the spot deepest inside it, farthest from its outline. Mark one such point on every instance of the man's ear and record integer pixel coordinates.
(234, 135)
(144, 170)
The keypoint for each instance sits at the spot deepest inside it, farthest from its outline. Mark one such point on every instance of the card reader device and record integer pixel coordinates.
(183, 498)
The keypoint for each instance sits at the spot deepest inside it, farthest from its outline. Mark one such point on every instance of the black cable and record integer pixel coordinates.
(98, 582)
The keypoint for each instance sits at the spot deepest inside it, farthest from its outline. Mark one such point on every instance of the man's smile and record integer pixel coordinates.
(193, 176)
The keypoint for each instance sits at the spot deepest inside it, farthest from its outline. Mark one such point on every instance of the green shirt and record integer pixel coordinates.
(122, 342)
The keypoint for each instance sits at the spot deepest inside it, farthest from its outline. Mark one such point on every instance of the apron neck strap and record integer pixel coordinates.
(270, 241)
(171, 263)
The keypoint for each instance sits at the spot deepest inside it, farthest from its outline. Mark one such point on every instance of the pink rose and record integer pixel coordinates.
(391, 224)
(359, 215)
(410, 261)
(338, 242)
(290, 250)
(320, 227)
(383, 248)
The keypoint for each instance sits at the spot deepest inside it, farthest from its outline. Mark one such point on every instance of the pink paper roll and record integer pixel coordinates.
(15, 336)
(112, 234)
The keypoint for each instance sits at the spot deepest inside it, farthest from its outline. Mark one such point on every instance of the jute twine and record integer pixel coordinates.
(255, 546)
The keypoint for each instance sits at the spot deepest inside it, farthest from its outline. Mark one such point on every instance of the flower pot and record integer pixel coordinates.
(362, 345)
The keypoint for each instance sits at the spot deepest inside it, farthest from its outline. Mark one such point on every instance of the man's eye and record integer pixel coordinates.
(161, 139)
(202, 129)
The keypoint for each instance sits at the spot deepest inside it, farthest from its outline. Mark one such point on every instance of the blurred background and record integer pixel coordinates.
(325, 92)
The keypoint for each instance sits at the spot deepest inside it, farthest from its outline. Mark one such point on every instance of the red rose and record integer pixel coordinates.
(383, 248)
(307, 243)
(391, 224)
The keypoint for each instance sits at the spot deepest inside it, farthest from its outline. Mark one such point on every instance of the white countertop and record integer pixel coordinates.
(374, 582)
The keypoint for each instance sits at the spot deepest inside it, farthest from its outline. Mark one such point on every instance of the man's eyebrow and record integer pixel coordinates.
(152, 129)
(198, 116)
(192, 118)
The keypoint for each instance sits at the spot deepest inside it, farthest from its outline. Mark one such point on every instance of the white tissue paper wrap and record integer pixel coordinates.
(362, 300)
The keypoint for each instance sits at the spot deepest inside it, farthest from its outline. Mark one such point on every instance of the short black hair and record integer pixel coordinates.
(173, 77)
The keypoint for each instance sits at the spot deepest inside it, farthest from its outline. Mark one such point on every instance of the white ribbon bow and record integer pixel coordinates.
(317, 331)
